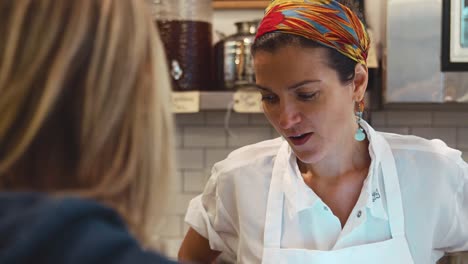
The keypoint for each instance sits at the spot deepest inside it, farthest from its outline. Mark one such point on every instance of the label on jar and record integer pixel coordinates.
(186, 102)
(248, 101)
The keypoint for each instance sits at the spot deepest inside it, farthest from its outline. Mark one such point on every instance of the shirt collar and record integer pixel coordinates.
(298, 196)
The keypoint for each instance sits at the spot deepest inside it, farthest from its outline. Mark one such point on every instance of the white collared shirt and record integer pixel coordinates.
(434, 188)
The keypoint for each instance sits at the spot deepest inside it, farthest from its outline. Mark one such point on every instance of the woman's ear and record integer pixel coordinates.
(361, 77)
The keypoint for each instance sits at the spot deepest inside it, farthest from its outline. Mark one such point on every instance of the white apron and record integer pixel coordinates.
(392, 251)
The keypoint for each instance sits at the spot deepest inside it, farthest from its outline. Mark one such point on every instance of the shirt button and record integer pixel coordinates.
(325, 208)
(359, 213)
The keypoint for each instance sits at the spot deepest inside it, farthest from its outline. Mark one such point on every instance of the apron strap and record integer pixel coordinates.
(392, 189)
(274, 212)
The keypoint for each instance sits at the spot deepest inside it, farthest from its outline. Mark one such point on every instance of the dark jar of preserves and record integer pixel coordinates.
(185, 27)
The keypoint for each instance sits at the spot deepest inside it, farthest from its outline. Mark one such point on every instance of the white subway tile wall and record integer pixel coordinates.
(177, 203)
(465, 155)
(394, 130)
(215, 155)
(379, 119)
(194, 180)
(218, 118)
(204, 137)
(241, 136)
(175, 184)
(450, 119)
(462, 136)
(409, 119)
(172, 226)
(190, 119)
(178, 140)
(202, 140)
(258, 119)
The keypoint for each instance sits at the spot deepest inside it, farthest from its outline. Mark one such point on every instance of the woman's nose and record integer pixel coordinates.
(289, 117)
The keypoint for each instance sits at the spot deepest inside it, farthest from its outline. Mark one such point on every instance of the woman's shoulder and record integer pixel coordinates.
(65, 230)
(251, 156)
(430, 161)
(431, 150)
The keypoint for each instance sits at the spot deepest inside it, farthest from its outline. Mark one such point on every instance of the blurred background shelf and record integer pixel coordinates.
(199, 101)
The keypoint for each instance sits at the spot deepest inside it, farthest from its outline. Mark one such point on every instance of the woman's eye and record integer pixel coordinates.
(307, 96)
(269, 98)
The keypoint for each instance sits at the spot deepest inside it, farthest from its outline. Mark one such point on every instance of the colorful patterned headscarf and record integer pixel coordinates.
(324, 21)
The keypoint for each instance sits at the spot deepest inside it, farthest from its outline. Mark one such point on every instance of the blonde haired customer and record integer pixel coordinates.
(85, 131)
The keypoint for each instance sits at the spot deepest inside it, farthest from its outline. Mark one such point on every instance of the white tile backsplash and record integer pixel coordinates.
(462, 136)
(241, 136)
(204, 137)
(451, 119)
(178, 139)
(409, 118)
(215, 155)
(395, 130)
(195, 180)
(175, 184)
(190, 158)
(172, 226)
(379, 118)
(178, 203)
(274, 133)
(465, 155)
(218, 118)
(258, 119)
(190, 119)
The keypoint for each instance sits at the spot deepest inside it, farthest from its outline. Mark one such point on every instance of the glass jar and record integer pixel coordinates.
(234, 62)
(185, 27)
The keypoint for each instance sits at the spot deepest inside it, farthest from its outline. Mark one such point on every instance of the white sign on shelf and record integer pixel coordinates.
(248, 101)
(186, 102)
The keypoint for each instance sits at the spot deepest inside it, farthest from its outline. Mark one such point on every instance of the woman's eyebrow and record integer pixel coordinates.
(292, 87)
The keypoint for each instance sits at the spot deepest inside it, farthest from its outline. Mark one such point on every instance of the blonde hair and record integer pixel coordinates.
(84, 103)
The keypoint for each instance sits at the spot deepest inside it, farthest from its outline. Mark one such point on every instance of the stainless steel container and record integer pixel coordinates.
(185, 27)
(234, 63)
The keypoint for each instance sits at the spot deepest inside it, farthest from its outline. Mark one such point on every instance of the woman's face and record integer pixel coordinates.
(304, 99)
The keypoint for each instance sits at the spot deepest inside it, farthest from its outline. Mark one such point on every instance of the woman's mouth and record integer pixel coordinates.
(300, 139)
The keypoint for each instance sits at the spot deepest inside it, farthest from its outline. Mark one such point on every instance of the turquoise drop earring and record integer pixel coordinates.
(360, 135)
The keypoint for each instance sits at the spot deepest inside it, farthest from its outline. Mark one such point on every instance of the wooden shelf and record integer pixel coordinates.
(239, 4)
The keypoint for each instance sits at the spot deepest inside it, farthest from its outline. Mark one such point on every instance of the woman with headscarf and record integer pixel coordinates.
(331, 189)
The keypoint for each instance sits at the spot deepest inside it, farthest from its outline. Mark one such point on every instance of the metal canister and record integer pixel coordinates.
(185, 27)
(233, 57)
